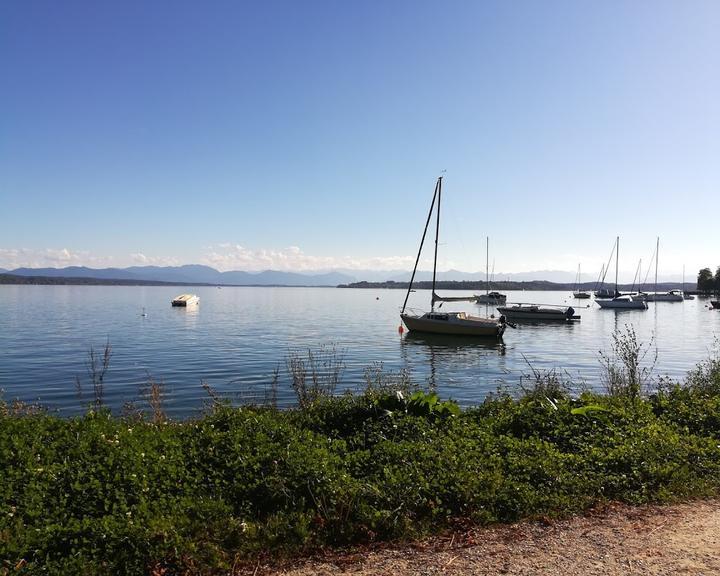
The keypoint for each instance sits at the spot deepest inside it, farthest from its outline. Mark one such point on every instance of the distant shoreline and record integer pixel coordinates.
(531, 285)
(13, 279)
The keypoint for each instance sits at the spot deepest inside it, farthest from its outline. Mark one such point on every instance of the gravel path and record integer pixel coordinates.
(674, 540)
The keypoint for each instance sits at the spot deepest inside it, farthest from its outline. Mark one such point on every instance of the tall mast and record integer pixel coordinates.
(617, 258)
(422, 241)
(487, 259)
(437, 234)
(657, 254)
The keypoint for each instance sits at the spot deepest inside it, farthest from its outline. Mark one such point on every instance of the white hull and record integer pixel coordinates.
(455, 323)
(623, 303)
(665, 297)
(186, 300)
(532, 312)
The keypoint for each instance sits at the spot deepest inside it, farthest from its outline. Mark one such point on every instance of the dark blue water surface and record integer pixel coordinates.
(237, 338)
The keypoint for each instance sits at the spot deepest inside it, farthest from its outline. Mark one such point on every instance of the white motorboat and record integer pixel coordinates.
(491, 298)
(436, 322)
(186, 300)
(539, 312)
(671, 296)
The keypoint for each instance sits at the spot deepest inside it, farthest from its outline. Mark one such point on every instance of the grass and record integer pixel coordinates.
(138, 493)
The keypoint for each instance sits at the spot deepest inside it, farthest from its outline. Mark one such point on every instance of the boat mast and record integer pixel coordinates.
(437, 234)
(617, 258)
(487, 259)
(422, 241)
(657, 254)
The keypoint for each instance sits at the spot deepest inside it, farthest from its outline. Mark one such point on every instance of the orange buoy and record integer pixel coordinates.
(401, 329)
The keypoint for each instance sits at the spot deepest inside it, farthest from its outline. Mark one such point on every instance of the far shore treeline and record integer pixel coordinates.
(422, 285)
(507, 285)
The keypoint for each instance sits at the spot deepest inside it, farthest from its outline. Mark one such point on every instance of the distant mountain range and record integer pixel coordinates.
(190, 274)
(199, 274)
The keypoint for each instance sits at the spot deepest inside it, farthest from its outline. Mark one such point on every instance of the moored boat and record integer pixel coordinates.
(436, 322)
(621, 301)
(624, 301)
(671, 296)
(539, 312)
(454, 323)
(715, 303)
(491, 298)
(185, 300)
(578, 293)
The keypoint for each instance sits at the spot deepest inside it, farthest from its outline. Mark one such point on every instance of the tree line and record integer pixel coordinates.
(707, 282)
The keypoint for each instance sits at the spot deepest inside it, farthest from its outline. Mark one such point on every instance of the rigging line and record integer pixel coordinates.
(437, 235)
(607, 266)
(422, 241)
(647, 272)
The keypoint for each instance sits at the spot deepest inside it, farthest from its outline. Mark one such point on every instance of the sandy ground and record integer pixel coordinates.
(670, 540)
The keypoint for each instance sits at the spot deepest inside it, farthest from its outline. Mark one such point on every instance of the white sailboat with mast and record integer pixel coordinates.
(436, 322)
(493, 297)
(578, 292)
(672, 295)
(624, 301)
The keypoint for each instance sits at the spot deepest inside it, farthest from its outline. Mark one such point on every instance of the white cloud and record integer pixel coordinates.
(235, 257)
(46, 258)
(140, 259)
(224, 257)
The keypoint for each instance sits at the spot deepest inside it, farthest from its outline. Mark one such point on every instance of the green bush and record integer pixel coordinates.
(101, 494)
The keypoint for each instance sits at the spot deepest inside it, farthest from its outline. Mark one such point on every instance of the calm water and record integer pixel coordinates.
(237, 337)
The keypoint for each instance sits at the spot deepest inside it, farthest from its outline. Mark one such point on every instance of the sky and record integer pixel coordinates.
(303, 136)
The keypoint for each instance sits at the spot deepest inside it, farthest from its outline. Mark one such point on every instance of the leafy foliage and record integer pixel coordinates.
(130, 495)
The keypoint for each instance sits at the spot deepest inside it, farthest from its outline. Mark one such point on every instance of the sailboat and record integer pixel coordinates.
(436, 322)
(489, 297)
(624, 301)
(673, 295)
(578, 293)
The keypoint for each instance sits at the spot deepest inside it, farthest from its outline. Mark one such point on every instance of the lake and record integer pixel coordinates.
(238, 337)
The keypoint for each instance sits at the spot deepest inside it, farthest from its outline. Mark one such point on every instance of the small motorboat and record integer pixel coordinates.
(538, 312)
(186, 300)
(490, 298)
(715, 303)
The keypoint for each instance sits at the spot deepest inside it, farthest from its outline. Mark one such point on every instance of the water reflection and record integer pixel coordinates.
(448, 354)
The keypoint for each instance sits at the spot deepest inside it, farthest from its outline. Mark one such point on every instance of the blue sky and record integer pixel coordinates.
(308, 135)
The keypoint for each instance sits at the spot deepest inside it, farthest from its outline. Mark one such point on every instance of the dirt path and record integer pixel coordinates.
(619, 540)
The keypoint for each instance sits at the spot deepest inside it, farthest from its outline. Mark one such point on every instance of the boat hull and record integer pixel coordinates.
(185, 300)
(469, 326)
(537, 313)
(492, 298)
(622, 304)
(581, 295)
(715, 303)
(667, 297)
